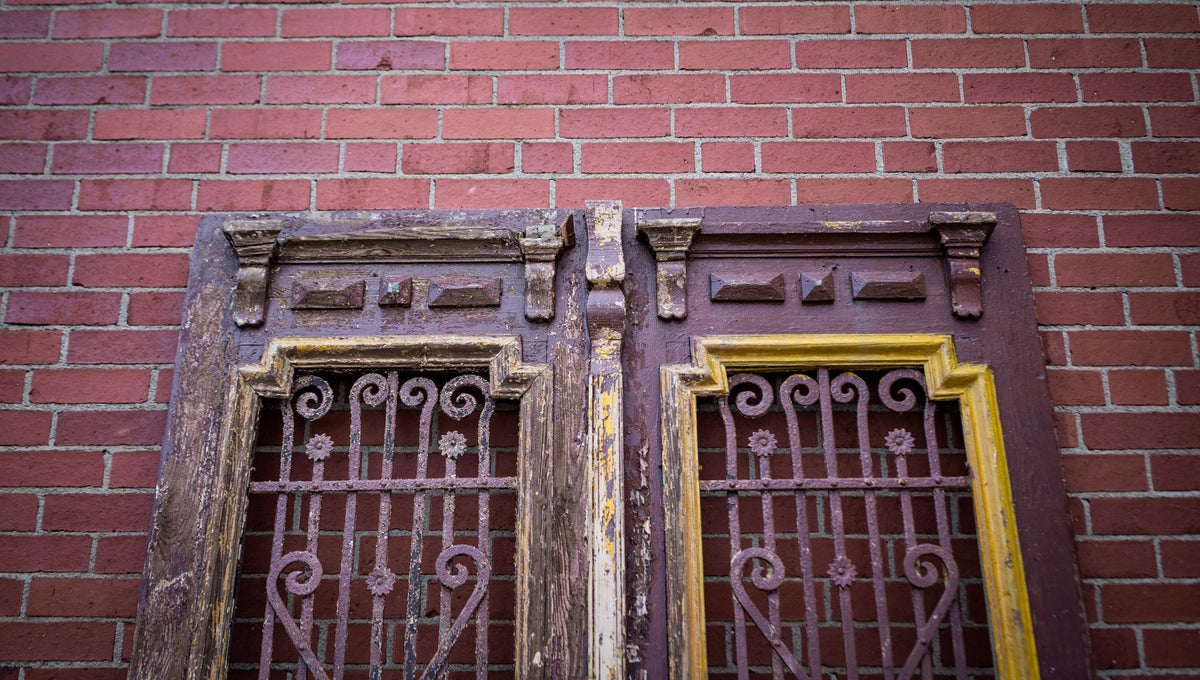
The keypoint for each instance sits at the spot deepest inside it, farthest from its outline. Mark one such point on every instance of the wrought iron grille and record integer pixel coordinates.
(837, 531)
(380, 539)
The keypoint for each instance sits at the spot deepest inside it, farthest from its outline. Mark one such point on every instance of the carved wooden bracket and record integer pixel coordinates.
(670, 239)
(963, 235)
(541, 247)
(254, 242)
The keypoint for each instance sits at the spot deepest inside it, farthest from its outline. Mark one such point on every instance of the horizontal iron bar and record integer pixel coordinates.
(386, 484)
(833, 483)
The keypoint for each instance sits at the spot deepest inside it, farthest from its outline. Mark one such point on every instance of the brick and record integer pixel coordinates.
(75, 428)
(120, 554)
(1116, 559)
(1071, 308)
(1135, 87)
(1053, 345)
(1149, 603)
(1172, 52)
(1166, 157)
(552, 89)
(292, 55)
(25, 428)
(1016, 191)
(435, 89)
(449, 21)
(727, 156)
(967, 53)
(563, 21)
(135, 194)
(1099, 193)
(108, 23)
(982, 157)
(619, 55)
(107, 159)
(70, 231)
(1076, 388)
(497, 123)
(1093, 156)
(1180, 558)
(162, 56)
(191, 158)
(768, 88)
(226, 22)
(148, 124)
(122, 347)
(370, 123)
(385, 55)
(14, 90)
(282, 158)
(901, 87)
(909, 19)
(491, 193)
(370, 157)
(1134, 387)
(265, 123)
(1168, 308)
(571, 193)
(97, 512)
(1130, 348)
(967, 121)
(467, 158)
(1063, 53)
(644, 157)
(740, 55)
(1175, 121)
(1114, 269)
(848, 121)
(23, 158)
(1025, 18)
(44, 553)
(18, 511)
(1087, 121)
(1189, 265)
(999, 88)
(1145, 516)
(866, 190)
(320, 89)
(1151, 230)
(1172, 648)
(1114, 647)
(86, 309)
(92, 597)
(367, 194)
(172, 90)
(547, 157)
(678, 21)
(909, 157)
(12, 386)
(730, 122)
(136, 469)
(506, 55)
(335, 22)
(164, 230)
(155, 309)
(47, 125)
(818, 157)
(44, 641)
(792, 19)
(677, 88)
(25, 24)
(624, 122)
(732, 192)
(1050, 230)
(11, 591)
(253, 194)
(90, 90)
(857, 53)
(1142, 18)
(50, 57)
(124, 270)
(33, 270)
(1181, 194)
(84, 385)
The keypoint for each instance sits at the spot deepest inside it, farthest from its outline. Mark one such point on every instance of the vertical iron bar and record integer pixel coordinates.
(385, 521)
(413, 607)
(735, 535)
(768, 514)
(358, 393)
(285, 470)
(314, 529)
(447, 541)
(835, 514)
(484, 538)
(788, 398)
(943, 524)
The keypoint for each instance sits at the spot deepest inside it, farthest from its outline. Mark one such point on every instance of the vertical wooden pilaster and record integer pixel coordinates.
(606, 326)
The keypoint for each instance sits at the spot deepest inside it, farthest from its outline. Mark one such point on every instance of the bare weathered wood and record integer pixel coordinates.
(328, 294)
(963, 235)
(541, 246)
(395, 291)
(254, 241)
(670, 239)
(816, 286)
(464, 291)
(757, 287)
(888, 285)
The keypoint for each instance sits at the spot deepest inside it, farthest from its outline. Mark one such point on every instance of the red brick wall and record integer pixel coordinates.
(122, 122)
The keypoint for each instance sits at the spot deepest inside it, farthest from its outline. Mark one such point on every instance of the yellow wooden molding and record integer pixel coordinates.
(971, 385)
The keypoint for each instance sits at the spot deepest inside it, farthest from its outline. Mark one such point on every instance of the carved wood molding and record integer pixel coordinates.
(962, 236)
(670, 239)
(541, 247)
(254, 242)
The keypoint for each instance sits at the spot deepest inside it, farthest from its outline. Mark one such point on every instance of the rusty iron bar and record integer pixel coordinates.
(301, 571)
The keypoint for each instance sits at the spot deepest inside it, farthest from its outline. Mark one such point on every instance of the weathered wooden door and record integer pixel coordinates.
(779, 442)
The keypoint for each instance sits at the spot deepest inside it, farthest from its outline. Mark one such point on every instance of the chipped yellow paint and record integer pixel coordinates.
(971, 385)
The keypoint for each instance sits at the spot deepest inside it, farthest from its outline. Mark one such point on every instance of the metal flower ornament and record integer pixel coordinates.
(763, 443)
(899, 441)
(452, 444)
(319, 447)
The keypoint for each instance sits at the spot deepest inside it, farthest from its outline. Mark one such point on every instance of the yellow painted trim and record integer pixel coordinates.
(971, 385)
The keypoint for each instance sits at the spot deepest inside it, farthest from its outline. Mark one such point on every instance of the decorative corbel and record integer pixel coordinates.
(670, 239)
(962, 236)
(541, 247)
(254, 243)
